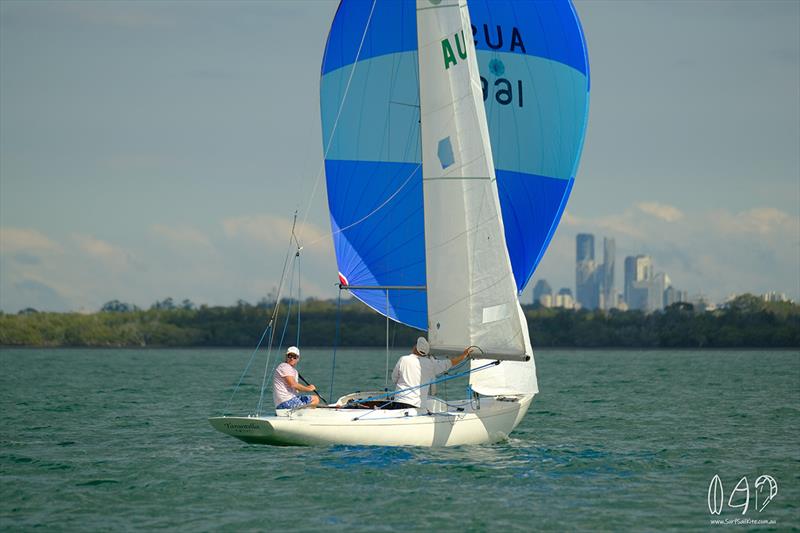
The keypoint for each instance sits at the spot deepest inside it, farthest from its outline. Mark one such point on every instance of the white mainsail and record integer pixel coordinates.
(471, 294)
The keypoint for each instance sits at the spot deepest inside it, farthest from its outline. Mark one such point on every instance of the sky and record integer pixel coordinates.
(159, 149)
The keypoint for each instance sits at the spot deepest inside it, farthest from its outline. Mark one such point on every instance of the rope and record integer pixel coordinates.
(433, 382)
(459, 365)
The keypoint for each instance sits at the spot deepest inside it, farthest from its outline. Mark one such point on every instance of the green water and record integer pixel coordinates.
(616, 440)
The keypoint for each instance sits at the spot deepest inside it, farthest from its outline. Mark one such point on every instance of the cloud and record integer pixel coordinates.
(184, 235)
(272, 231)
(618, 224)
(13, 240)
(112, 256)
(623, 224)
(665, 212)
(757, 221)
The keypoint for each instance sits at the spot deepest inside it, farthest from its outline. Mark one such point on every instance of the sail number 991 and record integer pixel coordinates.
(503, 91)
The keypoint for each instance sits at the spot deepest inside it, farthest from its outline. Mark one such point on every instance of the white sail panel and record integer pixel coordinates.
(471, 289)
(509, 377)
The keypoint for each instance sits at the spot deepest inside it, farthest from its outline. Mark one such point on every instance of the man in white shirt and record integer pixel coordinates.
(416, 368)
(285, 385)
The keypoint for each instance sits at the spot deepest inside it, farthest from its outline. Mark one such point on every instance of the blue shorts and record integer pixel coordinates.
(297, 401)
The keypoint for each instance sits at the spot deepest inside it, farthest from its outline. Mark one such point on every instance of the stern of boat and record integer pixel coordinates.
(250, 429)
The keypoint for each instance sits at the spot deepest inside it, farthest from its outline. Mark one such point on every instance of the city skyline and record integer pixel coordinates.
(595, 282)
(644, 288)
(142, 159)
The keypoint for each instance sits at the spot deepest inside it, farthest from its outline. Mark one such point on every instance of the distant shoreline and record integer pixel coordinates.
(747, 322)
(537, 348)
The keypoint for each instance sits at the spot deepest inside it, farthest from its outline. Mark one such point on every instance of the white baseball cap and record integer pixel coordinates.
(422, 346)
(294, 350)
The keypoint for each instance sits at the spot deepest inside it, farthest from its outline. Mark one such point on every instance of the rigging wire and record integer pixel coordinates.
(289, 308)
(335, 339)
(269, 330)
(336, 121)
(386, 375)
(278, 360)
(280, 342)
(292, 240)
(365, 217)
(246, 369)
(297, 259)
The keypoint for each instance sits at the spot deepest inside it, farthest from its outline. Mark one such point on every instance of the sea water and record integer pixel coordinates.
(615, 440)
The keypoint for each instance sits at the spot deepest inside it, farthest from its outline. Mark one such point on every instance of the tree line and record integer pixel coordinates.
(746, 321)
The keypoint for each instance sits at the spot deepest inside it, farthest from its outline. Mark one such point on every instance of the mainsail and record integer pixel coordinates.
(472, 298)
(535, 81)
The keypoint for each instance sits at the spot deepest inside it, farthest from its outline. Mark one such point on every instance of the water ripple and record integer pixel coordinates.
(118, 440)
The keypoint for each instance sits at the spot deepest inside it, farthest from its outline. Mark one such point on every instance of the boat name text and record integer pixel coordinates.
(449, 50)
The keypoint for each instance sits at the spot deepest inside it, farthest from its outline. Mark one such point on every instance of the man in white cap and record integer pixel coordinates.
(285, 385)
(416, 368)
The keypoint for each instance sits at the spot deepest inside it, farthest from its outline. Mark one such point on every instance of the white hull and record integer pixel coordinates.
(491, 421)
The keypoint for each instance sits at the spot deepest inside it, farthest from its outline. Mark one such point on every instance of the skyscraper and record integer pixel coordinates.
(637, 269)
(542, 288)
(584, 250)
(586, 280)
(643, 289)
(608, 294)
(564, 299)
(673, 295)
(630, 277)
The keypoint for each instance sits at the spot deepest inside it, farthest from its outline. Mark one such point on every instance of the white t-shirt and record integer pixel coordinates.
(280, 389)
(411, 371)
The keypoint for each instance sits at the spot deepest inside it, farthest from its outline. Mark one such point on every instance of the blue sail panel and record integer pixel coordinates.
(392, 29)
(535, 74)
(548, 29)
(529, 224)
(541, 28)
(376, 216)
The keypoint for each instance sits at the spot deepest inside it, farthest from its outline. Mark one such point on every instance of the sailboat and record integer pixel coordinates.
(452, 135)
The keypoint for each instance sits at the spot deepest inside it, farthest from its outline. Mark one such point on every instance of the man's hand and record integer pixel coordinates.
(455, 360)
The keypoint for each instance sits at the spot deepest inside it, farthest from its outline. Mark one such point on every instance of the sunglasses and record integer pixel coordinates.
(292, 356)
